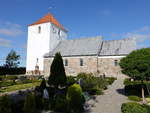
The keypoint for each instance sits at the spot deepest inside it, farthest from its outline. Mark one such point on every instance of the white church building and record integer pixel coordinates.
(47, 37)
(43, 36)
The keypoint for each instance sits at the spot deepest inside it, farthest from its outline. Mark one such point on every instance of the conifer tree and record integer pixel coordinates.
(57, 72)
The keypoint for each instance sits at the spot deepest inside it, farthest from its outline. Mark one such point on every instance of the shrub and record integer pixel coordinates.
(133, 108)
(43, 84)
(57, 75)
(75, 98)
(5, 104)
(135, 89)
(45, 103)
(70, 80)
(60, 103)
(134, 98)
(91, 84)
(95, 91)
(147, 107)
(110, 80)
(17, 106)
(2, 77)
(83, 75)
(11, 77)
(29, 104)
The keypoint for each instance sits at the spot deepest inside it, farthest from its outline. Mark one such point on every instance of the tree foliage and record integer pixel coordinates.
(57, 72)
(12, 59)
(137, 64)
(75, 98)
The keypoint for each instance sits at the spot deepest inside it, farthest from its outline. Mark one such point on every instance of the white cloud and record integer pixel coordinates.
(138, 37)
(141, 36)
(10, 29)
(5, 43)
(144, 29)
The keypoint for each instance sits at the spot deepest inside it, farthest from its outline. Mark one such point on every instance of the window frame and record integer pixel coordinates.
(81, 62)
(116, 62)
(66, 62)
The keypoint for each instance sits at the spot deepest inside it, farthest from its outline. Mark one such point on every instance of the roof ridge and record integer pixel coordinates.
(118, 39)
(85, 38)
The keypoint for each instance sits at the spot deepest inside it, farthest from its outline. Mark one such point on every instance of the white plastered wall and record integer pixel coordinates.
(38, 45)
(41, 43)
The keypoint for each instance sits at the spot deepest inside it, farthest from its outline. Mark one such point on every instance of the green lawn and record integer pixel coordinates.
(19, 87)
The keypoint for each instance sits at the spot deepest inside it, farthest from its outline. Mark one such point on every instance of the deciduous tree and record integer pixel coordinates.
(12, 59)
(137, 65)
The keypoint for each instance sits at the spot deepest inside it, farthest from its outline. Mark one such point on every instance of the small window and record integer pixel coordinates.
(81, 62)
(39, 29)
(116, 62)
(66, 62)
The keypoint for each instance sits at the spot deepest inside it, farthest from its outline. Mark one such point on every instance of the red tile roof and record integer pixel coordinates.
(49, 18)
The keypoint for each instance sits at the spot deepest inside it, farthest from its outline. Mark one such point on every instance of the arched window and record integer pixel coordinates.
(81, 62)
(39, 29)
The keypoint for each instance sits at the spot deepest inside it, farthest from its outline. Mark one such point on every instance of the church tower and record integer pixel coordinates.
(43, 36)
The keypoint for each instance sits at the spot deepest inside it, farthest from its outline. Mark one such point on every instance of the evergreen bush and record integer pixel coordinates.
(5, 104)
(60, 103)
(70, 80)
(132, 107)
(57, 72)
(43, 84)
(75, 98)
(29, 104)
(134, 98)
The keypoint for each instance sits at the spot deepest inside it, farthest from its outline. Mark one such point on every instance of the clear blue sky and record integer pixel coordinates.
(113, 19)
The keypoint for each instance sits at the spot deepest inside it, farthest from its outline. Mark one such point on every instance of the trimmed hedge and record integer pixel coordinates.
(127, 82)
(134, 87)
(12, 71)
(134, 98)
(132, 107)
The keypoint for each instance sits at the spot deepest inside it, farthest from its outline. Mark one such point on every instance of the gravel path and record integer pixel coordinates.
(110, 102)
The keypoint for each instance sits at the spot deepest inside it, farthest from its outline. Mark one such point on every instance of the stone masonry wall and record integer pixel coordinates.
(107, 66)
(104, 66)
